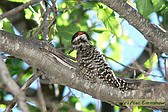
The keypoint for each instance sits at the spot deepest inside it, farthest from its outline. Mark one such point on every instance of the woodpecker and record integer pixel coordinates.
(92, 63)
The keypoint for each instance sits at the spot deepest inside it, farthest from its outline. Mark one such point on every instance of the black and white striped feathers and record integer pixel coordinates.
(92, 64)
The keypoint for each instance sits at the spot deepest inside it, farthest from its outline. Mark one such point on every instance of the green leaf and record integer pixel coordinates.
(144, 109)
(117, 48)
(2, 94)
(62, 20)
(73, 53)
(3, 106)
(108, 18)
(1, 11)
(99, 30)
(90, 5)
(73, 100)
(125, 37)
(34, 109)
(71, 3)
(103, 38)
(66, 33)
(90, 108)
(165, 11)
(145, 7)
(15, 66)
(150, 63)
(136, 109)
(142, 76)
(28, 13)
(155, 2)
(7, 26)
(25, 77)
(159, 5)
(117, 108)
(87, 110)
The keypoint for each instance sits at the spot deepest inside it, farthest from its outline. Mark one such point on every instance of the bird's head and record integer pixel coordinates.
(80, 39)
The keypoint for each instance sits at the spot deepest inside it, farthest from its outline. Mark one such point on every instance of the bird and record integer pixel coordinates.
(92, 64)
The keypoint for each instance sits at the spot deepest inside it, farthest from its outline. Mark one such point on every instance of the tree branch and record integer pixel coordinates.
(150, 31)
(18, 9)
(23, 88)
(13, 87)
(60, 70)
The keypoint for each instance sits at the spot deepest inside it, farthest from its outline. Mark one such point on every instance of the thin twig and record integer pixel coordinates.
(45, 19)
(18, 9)
(68, 94)
(23, 88)
(130, 67)
(44, 24)
(52, 22)
(13, 87)
(166, 68)
(54, 8)
(38, 30)
(20, 76)
(121, 63)
(41, 98)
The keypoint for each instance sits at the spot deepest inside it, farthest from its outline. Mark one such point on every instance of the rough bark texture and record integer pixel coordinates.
(60, 70)
(150, 31)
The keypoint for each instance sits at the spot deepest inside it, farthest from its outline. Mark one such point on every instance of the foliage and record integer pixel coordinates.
(146, 7)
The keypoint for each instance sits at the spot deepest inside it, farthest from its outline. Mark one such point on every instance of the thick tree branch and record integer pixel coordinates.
(59, 69)
(150, 31)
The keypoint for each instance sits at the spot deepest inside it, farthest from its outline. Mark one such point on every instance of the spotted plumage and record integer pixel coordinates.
(92, 64)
